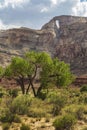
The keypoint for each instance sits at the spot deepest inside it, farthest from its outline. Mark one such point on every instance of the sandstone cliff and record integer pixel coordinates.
(64, 37)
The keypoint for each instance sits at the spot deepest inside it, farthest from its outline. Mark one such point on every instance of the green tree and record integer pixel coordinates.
(38, 66)
(17, 70)
(62, 75)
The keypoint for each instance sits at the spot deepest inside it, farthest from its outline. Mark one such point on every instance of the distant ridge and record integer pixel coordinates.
(63, 36)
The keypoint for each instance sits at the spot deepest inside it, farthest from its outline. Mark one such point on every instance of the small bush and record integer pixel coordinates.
(20, 104)
(6, 126)
(83, 88)
(84, 128)
(58, 104)
(65, 122)
(42, 95)
(17, 119)
(85, 100)
(56, 110)
(80, 113)
(35, 112)
(24, 127)
(7, 116)
(47, 120)
(13, 92)
(56, 98)
(1, 92)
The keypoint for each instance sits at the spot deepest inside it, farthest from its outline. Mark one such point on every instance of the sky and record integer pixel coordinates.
(35, 13)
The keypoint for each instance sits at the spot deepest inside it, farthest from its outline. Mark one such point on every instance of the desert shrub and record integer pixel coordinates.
(65, 122)
(24, 127)
(56, 110)
(85, 99)
(35, 112)
(43, 126)
(56, 98)
(38, 108)
(74, 93)
(47, 120)
(58, 104)
(1, 92)
(13, 92)
(0, 100)
(17, 119)
(6, 126)
(51, 97)
(80, 113)
(81, 99)
(20, 104)
(85, 111)
(7, 116)
(83, 88)
(42, 95)
(84, 128)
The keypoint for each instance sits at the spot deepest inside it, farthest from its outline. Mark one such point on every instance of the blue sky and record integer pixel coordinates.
(35, 13)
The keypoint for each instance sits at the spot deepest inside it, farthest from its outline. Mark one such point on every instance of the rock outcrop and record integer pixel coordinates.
(64, 37)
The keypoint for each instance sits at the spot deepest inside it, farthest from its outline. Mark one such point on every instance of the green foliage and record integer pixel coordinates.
(13, 92)
(33, 109)
(1, 71)
(62, 71)
(18, 66)
(1, 92)
(39, 65)
(7, 116)
(59, 103)
(65, 122)
(20, 104)
(42, 95)
(24, 127)
(17, 119)
(58, 100)
(83, 88)
(35, 112)
(83, 98)
(8, 72)
(85, 128)
(41, 61)
(80, 113)
(6, 126)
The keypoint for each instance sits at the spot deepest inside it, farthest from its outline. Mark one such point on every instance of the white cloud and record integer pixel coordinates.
(57, 2)
(54, 2)
(13, 3)
(80, 9)
(35, 13)
(44, 9)
(3, 26)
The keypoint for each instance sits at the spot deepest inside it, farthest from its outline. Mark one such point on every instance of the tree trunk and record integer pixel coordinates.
(22, 86)
(39, 90)
(28, 88)
(33, 88)
(20, 81)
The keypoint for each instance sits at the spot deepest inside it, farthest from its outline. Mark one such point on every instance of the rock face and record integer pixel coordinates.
(64, 37)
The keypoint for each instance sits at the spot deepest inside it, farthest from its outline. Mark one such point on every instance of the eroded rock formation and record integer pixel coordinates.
(64, 37)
